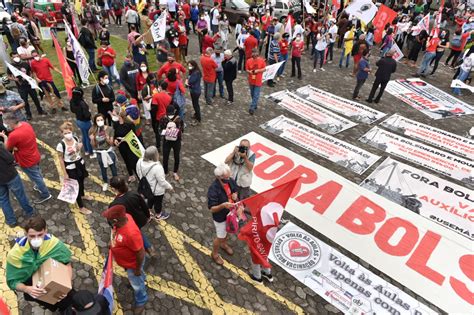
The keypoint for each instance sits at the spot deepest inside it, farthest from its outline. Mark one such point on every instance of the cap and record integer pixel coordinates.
(115, 212)
(2, 88)
(134, 101)
(121, 99)
(81, 299)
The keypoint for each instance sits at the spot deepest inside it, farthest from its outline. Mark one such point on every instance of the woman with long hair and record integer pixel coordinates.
(140, 82)
(194, 84)
(122, 126)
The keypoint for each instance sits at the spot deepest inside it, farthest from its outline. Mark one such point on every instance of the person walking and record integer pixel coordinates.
(229, 65)
(465, 70)
(240, 46)
(209, 67)
(194, 84)
(363, 70)
(150, 167)
(128, 75)
(348, 44)
(83, 118)
(103, 95)
(274, 54)
(386, 66)
(442, 46)
(320, 50)
(297, 48)
(255, 68)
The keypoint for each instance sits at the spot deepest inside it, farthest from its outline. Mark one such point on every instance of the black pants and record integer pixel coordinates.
(453, 54)
(437, 58)
(330, 51)
(129, 158)
(157, 130)
(375, 86)
(196, 106)
(118, 19)
(296, 62)
(79, 176)
(357, 87)
(156, 203)
(75, 70)
(24, 92)
(167, 146)
(230, 90)
(241, 63)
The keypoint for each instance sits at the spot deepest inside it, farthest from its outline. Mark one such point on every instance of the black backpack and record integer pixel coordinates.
(144, 187)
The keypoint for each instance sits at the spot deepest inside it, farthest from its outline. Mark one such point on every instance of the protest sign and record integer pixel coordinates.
(428, 99)
(364, 10)
(271, 71)
(134, 144)
(421, 255)
(461, 85)
(158, 28)
(397, 53)
(351, 109)
(422, 154)
(18, 73)
(434, 136)
(335, 150)
(69, 190)
(338, 279)
(79, 56)
(315, 114)
(432, 197)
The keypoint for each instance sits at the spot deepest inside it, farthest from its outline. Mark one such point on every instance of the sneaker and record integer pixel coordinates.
(267, 276)
(43, 113)
(164, 215)
(257, 280)
(322, 69)
(105, 187)
(12, 225)
(64, 109)
(329, 61)
(93, 156)
(41, 200)
(314, 70)
(251, 111)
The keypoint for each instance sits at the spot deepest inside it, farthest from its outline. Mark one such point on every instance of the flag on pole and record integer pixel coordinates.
(106, 288)
(336, 4)
(134, 144)
(68, 75)
(437, 24)
(79, 56)
(266, 209)
(288, 28)
(158, 28)
(18, 73)
(74, 26)
(384, 15)
(423, 24)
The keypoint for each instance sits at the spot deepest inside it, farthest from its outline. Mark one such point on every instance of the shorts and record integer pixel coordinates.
(220, 229)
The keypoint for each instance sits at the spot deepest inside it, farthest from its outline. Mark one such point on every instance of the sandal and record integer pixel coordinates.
(228, 250)
(218, 260)
(176, 176)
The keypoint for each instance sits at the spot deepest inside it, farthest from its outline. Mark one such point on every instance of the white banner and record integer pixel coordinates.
(17, 73)
(432, 197)
(338, 279)
(422, 154)
(364, 10)
(158, 28)
(271, 71)
(277, 96)
(3, 52)
(335, 150)
(428, 99)
(351, 109)
(430, 260)
(434, 136)
(459, 84)
(320, 117)
(79, 56)
(397, 53)
(69, 191)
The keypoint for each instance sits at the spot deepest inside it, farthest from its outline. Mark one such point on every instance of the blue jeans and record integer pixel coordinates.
(318, 55)
(425, 63)
(16, 186)
(255, 94)
(34, 174)
(220, 80)
(111, 73)
(462, 76)
(10, 7)
(85, 126)
(91, 53)
(208, 89)
(146, 242)
(113, 167)
(138, 285)
(282, 67)
(342, 58)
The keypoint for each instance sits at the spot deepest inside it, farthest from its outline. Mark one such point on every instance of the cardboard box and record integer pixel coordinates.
(54, 277)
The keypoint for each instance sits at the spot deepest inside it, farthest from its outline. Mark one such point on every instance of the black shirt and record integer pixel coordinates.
(217, 195)
(81, 109)
(7, 166)
(386, 66)
(135, 206)
(101, 91)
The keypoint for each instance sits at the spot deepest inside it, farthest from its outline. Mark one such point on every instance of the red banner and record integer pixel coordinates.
(336, 4)
(68, 75)
(384, 15)
(266, 209)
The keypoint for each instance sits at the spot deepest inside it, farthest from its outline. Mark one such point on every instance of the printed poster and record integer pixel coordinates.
(338, 279)
(439, 138)
(434, 198)
(430, 260)
(315, 114)
(335, 150)
(428, 99)
(340, 105)
(397, 53)
(422, 154)
(364, 10)
(69, 191)
(271, 71)
(277, 96)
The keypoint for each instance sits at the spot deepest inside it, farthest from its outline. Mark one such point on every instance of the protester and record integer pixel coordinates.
(229, 66)
(274, 54)
(122, 127)
(320, 50)
(442, 46)
(103, 95)
(171, 64)
(162, 52)
(430, 54)
(418, 44)
(209, 67)
(86, 39)
(128, 74)
(173, 127)
(86, 303)
(284, 48)
(386, 66)
(132, 18)
(218, 57)
(194, 84)
(464, 70)
(159, 103)
(241, 38)
(83, 118)
(106, 54)
(11, 102)
(255, 67)
(241, 161)
(363, 70)
(347, 49)
(297, 48)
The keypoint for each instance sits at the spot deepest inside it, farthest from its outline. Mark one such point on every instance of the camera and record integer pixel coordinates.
(243, 149)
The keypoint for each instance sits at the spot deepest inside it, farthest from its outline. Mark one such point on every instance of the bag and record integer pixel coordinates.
(144, 187)
(171, 132)
(456, 42)
(232, 222)
(178, 97)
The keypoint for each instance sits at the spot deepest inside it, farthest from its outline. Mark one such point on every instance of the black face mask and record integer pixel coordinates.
(225, 181)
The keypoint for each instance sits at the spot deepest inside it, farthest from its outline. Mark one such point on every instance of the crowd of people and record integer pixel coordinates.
(134, 98)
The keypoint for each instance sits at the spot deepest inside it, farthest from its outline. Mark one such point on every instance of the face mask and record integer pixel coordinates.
(7, 127)
(143, 69)
(16, 59)
(115, 118)
(170, 116)
(68, 136)
(106, 81)
(225, 180)
(100, 123)
(36, 242)
(190, 68)
(37, 58)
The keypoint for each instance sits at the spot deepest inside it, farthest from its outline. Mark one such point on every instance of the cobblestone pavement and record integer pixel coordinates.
(182, 279)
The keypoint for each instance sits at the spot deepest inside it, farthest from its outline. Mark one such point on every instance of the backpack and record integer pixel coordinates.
(171, 132)
(456, 41)
(144, 187)
(178, 97)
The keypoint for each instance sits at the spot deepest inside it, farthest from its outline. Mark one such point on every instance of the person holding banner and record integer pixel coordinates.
(103, 95)
(71, 60)
(122, 126)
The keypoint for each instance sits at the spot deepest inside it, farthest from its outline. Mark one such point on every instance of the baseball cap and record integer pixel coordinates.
(121, 99)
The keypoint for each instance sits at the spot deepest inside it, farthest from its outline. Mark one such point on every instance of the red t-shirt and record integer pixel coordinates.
(266, 21)
(106, 59)
(41, 69)
(209, 67)
(255, 64)
(432, 45)
(23, 138)
(297, 48)
(140, 81)
(249, 44)
(162, 100)
(126, 243)
(172, 86)
(187, 11)
(168, 66)
(283, 46)
(207, 42)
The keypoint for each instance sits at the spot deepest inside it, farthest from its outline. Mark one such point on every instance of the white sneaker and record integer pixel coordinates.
(314, 70)
(105, 187)
(322, 69)
(93, 156)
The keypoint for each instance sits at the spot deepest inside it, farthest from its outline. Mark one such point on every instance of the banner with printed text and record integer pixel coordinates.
(277, 96)
(319, 116)
(158, 28)
(335, 150)
(428, 99)
(430, 260)
(338, 279)
(351, 109)
(440, 138)
(271, 71)
(434, 198)
(422, 154)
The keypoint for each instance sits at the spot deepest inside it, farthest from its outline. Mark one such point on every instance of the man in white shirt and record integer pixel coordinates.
(215, 15)
(298, 29)
(172, 7)
(25, 49)
(333, 34)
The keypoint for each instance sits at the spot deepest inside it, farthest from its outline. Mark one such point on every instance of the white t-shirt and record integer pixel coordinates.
(215, 16)
(172, 5)
(298, 30)
(321, 44)
(25, 51)
(71, 152)
(333, 31)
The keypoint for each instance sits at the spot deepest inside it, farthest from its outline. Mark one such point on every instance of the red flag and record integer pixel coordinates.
(336, 4)
(74, 26)
(266, 209)
(384, 15)
(106, 288)
(68, 75)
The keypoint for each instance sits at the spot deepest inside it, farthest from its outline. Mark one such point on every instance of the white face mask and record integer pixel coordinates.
(36, 242)
(170, 116)
(143, 69)
(115, 118)
(16, 59)
(37, 58)
(68, 136)
(100, 123)
(190, 68)
(106, 81)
